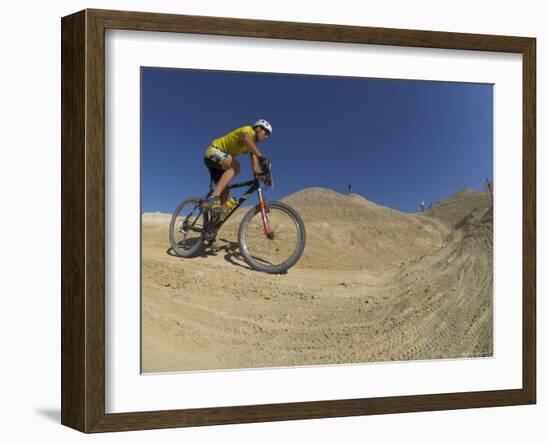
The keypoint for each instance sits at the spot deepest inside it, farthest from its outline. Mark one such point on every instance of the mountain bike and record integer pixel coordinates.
(271, 236)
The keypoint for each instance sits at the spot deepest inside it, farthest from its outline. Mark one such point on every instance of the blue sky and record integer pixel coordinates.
(397, 142)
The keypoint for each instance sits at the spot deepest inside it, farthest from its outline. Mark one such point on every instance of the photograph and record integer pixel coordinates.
(292, 220)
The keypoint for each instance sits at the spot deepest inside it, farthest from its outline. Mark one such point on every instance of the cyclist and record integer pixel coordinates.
(220, 160)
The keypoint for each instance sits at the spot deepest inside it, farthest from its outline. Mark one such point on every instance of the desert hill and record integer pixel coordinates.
(457, 208)
(349, 232)
(373, 284)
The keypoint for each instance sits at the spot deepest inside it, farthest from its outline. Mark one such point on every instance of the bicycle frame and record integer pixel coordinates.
(254, 187)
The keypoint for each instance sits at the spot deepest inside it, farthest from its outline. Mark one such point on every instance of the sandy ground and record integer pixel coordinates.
(373, 284)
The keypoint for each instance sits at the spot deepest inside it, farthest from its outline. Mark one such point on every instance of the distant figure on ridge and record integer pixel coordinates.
(489, 186)
(422, 206)
(349, 188)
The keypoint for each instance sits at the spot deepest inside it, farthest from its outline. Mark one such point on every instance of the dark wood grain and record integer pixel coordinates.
(95, 220)
(308, 410)
(529, 221)
(83, 220)
(307, 31)
(73, 212)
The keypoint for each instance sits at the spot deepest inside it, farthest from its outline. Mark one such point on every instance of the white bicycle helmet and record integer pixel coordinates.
(265, 124)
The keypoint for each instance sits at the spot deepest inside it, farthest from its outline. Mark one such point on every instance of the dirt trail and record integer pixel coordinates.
(373, 284)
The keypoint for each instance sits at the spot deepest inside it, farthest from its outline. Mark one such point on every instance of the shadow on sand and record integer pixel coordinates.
(230, 248)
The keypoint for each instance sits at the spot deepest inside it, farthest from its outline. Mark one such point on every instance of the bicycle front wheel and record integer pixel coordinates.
(278, 249)
(186, 228)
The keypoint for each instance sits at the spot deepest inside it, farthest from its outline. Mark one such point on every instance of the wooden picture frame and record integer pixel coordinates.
(83, 220)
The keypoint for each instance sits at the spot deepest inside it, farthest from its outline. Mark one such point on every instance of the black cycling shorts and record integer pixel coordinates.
(215, 170)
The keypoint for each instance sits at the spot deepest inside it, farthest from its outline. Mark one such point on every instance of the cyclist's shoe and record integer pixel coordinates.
(211, 203)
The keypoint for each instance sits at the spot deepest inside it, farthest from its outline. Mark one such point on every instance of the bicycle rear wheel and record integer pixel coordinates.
(186, 228)
(279, 250)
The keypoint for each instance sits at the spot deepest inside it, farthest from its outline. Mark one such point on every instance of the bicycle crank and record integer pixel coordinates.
(210, 232)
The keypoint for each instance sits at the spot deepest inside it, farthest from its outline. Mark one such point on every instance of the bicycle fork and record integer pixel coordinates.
(263, 209)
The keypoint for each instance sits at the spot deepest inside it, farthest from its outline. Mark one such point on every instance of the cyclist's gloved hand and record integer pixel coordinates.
(265, 164)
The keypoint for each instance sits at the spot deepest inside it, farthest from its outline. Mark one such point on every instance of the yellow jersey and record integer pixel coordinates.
(233, 143)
